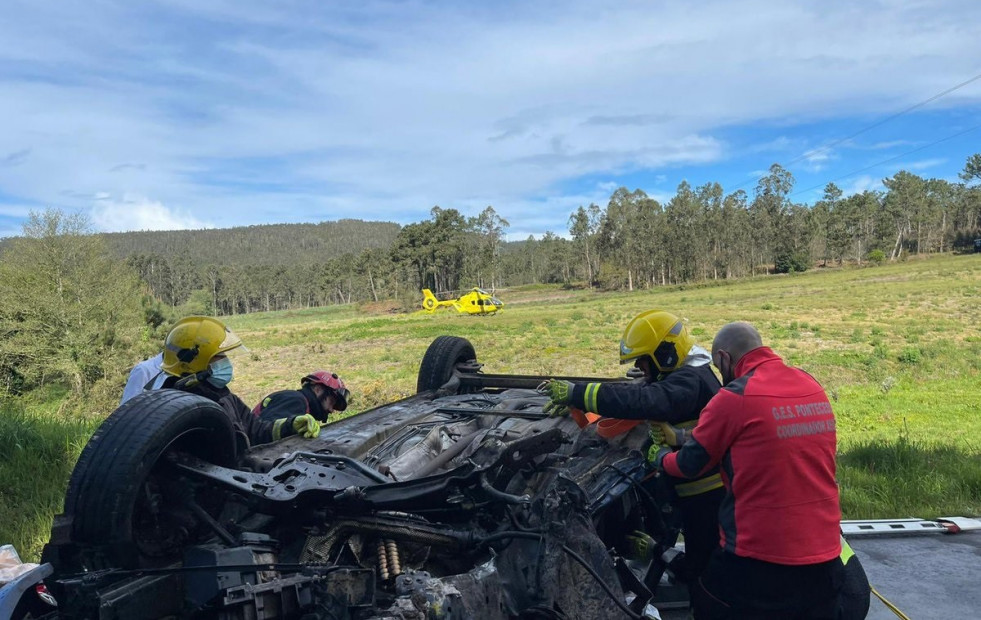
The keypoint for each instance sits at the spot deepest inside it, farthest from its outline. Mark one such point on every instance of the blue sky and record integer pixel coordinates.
(188, 114)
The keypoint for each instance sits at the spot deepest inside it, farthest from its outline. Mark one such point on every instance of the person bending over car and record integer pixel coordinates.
(196, 359)
(678, 383)
(772, 427)
(321, 393)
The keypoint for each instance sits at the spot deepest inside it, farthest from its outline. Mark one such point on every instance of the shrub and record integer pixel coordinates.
(876, 256)
(70, 310)
(911, 355)
(791, 262)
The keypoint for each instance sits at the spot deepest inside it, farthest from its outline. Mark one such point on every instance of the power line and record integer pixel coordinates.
(878, 123)
(885, 120)
(886, 161)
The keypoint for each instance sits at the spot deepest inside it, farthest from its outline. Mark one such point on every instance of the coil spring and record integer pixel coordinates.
(382, 561)
(395, 566)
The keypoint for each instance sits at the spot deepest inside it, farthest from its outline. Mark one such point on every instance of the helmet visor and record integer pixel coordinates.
(232, 343)
(340, 398)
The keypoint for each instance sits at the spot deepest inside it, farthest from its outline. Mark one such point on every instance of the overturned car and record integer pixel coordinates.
(464, 500)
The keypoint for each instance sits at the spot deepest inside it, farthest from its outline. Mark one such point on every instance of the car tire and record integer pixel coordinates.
(117, 462)
(440, 359)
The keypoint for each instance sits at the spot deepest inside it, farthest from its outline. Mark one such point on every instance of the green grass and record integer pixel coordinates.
(901, 478)
(40, 447)
(897, 347)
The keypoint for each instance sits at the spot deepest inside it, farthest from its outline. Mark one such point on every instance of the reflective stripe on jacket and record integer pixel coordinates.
(677, 398)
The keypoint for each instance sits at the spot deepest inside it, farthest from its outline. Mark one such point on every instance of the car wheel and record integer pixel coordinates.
(121, 498)
(440, 359)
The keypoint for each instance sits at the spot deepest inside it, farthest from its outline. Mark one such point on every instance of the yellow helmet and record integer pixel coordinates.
(659, 334)
(193, 342)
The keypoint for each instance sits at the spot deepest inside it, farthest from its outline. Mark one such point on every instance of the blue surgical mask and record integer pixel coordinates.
(221, 372)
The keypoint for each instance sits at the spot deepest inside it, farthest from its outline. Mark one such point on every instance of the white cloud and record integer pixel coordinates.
(15, 210)
(888, 144)
(924, 164)
(778, 144)
(861, 184)
(246, 112)
(817, 159)
(140, 213)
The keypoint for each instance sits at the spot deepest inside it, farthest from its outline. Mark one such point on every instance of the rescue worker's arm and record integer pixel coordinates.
(262, 431)
(673, 399)
(664, 433)
(281, 405)
(305, 425)
(559, 393)
(717, 428)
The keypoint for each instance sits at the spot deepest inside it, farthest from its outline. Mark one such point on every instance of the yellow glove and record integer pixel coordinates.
(555, 410)
(664, 433)
(306, 425)
(559, 393)
(640, 546)
(656, 454)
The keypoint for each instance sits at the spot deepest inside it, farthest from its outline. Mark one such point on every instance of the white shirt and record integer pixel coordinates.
(141, 374)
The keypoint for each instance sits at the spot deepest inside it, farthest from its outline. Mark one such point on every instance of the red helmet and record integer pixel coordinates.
(333, 384)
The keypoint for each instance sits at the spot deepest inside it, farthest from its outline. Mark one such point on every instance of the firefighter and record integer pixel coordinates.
(195, 358)
(321, 393)
(678, 382)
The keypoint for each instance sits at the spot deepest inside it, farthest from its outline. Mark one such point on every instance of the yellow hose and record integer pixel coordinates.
(888, 604)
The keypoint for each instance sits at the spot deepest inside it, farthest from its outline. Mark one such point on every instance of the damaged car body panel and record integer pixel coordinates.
(464, 500)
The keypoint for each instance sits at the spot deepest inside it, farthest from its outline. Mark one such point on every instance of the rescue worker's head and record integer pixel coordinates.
(198, 343)
(732, 342)
(656, 341)
(329, 388)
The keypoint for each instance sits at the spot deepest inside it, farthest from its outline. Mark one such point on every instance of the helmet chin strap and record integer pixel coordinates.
(193, 380)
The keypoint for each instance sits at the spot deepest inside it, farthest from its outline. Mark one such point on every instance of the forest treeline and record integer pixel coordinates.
(701, 233)
(77, 307)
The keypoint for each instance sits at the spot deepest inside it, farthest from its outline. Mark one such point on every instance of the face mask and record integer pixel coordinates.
(221, 373)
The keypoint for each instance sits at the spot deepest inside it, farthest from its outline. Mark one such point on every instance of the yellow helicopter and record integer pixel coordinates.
(477, 301)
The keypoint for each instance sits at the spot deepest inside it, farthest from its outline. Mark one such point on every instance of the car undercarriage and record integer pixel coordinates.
(464, 500)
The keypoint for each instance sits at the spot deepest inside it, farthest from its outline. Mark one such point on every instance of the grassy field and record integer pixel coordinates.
(897, 347)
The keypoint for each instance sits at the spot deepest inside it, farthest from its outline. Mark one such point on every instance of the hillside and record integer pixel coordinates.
(269, 244)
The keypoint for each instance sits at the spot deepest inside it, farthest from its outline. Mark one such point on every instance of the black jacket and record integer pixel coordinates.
(677, 398)
(247, 426)
(290, 403)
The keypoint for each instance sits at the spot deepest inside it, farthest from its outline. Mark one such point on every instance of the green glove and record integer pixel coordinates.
(640, 547)
(559, 391)
(555, 410)
(656, 454)
(306, 425)
(664, 433)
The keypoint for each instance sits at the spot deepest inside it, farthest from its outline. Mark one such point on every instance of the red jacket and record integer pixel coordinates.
(773, 431)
